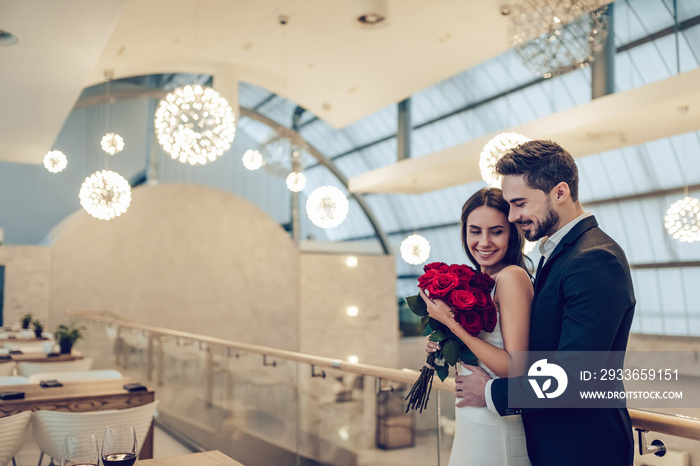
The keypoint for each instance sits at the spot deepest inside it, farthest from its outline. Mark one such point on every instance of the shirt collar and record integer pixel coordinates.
(547, 245)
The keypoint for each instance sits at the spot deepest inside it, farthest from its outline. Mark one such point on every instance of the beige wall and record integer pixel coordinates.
(328, 287)
(26, 282)
(186, 257)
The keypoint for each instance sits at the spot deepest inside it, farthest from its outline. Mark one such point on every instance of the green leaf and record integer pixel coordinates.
(437, 335)
(467, 357)
(443, 372)
(451, 352)
(417, 305)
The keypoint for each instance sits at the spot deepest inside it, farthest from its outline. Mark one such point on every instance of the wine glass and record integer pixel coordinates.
(119, 446)
(80, 450)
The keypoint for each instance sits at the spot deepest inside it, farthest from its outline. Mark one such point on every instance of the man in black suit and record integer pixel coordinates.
(583, 301)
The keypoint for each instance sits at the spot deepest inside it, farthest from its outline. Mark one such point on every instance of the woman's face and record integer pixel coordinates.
(488, 232)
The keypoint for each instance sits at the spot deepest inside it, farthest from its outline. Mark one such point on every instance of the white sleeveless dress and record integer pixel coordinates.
(483, 438)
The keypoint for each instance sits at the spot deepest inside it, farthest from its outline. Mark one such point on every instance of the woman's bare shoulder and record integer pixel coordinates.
(513, 274)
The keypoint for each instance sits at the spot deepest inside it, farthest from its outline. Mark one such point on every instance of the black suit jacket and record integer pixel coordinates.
(583, 301)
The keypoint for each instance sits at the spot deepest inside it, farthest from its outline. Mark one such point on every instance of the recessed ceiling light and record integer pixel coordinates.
(370, 19)
(7, 38)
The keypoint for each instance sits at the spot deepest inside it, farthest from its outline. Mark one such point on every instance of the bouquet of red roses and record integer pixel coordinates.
(468, 293)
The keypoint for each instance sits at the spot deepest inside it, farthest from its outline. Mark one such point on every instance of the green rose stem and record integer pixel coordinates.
(420, 393)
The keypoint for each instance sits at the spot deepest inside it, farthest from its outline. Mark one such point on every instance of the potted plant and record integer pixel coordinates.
(38, 328)
(66, 336)
(26, 320)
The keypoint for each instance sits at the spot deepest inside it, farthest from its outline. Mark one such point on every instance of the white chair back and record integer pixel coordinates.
(74, 376)
(13, 380)
(51, 427)
(13, 430)
(25, 369)
(7, 368)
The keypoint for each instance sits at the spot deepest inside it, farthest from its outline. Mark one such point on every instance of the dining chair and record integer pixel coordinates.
(74, 376)
(26, 369)
(13, 431)
(13, 380)
(7, 368)
(51, 427)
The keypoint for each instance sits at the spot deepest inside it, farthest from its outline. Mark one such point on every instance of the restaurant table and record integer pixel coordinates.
(37, 356)
(92, 395)
(209, 458)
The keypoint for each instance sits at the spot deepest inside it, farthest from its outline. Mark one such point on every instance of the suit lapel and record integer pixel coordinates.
(570, 238)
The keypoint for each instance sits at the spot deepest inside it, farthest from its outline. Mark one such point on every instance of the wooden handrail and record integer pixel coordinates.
(671, 424)
(398, 375)
(676, 425)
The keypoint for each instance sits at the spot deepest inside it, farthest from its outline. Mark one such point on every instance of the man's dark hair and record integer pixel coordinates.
(545, 164)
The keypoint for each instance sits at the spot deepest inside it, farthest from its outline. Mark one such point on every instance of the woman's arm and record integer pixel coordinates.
(513, 298)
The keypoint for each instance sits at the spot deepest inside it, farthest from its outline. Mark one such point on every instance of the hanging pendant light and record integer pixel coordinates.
(55, 161)
(415, 249)
(105, 194)
(682, 220)
(252, 159)
(493, 151)
(327, 207)
(296, 182)
(112, 143)
(195, 125)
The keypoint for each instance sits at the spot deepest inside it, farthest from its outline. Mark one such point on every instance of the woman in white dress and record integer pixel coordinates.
(495, 247)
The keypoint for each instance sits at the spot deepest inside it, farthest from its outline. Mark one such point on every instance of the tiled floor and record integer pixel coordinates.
(163, 445)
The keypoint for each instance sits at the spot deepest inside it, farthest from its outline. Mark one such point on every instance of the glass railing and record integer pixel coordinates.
(267, 406)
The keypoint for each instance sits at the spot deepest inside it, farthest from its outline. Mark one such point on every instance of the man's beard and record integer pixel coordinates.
(546, 227)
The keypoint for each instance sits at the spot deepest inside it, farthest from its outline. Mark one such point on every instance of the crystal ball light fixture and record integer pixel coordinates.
(327, 207)
(55, 161)
(195, 125)
(682, 220)
(493, 151)
(415, 249)
(105, 194)
(112, 143)
(552, 37)
(252, 159)
(296, 181)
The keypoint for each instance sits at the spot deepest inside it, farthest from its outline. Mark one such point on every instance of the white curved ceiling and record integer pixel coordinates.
(320, 59)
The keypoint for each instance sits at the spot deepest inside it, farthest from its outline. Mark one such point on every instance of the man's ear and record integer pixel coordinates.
(561, 192)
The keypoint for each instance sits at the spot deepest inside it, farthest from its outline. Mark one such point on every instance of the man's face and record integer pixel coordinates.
(530, 208)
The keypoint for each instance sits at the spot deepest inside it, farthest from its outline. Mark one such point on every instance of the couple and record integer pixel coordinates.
(582, 301)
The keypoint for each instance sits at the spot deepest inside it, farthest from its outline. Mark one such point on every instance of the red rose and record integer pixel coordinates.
(462, 300)
(464, 272)
(471, 321)
(481, 299)
(426, 278)
(482, 281)
(442, 284)
(490, 318)
(437, 266)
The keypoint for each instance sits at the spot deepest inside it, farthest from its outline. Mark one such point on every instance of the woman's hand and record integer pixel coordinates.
(438, 310)
(432, 346)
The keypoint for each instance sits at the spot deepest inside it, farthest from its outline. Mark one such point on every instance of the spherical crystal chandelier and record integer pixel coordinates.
(296, 181)
(493, 151)
(552, 37)
(252, 159)
(415, 249)
(55, 161)
(682, 220)
(327, 207)
(195, 124)
(105, 194)
(112, 143)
